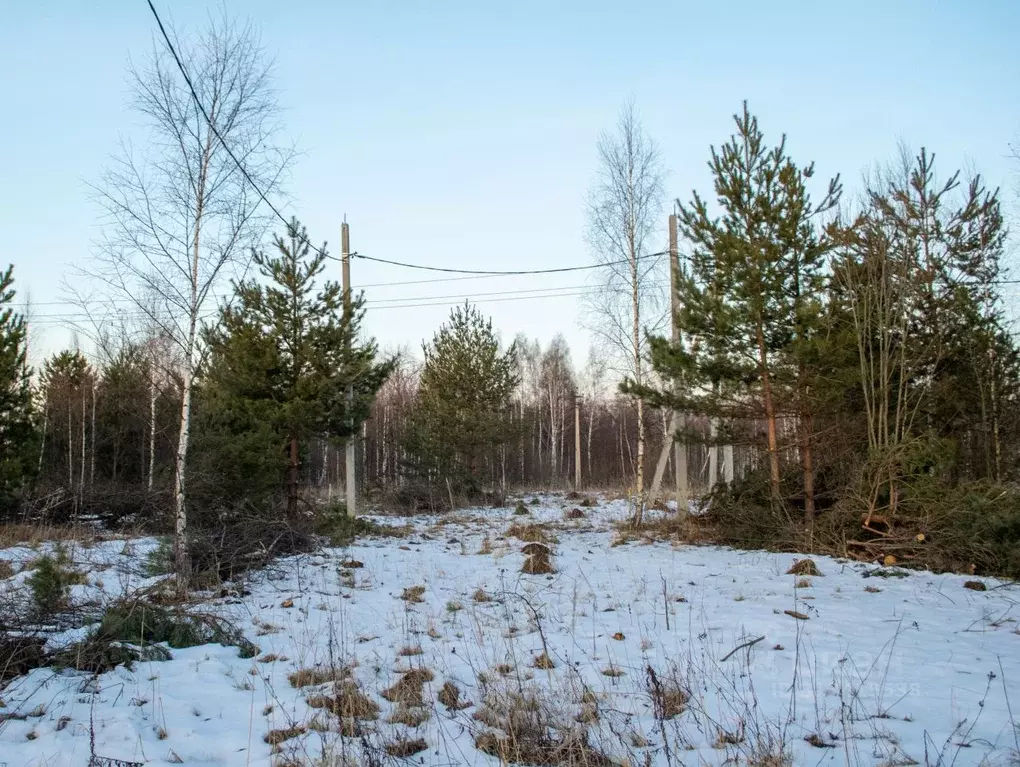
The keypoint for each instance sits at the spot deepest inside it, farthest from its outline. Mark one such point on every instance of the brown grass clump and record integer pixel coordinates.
(531, 533)
(413, 594)
(409, 650)
(6, 570)
(481, 595)
(535, 747)
(276, 737)
(539, 562)
(403, 748)
(307, 677)
(486, 546)
(803, 583)
(543, 661)
(669, 698)
(612, 671)
(575, 514)
(409, 689)
(32, 535)
(530, 549)
(351, 564)
(449, 696)
(410, 716)
(349, 702)
(803, 567)
(975, 586)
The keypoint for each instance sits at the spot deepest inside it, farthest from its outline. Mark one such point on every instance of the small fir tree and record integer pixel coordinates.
(462, 415)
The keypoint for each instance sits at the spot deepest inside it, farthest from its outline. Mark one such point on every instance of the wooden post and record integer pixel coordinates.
(345, 257)
(577, 442)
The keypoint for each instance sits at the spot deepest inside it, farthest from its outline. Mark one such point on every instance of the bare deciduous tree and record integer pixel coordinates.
(624, 205)
(180, 213)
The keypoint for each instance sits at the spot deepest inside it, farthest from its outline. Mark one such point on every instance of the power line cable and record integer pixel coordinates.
(507, 273)
(286, 223)
(376, 305)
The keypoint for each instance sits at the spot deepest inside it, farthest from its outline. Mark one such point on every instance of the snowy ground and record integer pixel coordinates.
(875, 671)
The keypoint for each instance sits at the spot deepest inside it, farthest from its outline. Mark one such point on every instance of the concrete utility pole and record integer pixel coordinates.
(675, 419)
(577, 442)
(345, 257)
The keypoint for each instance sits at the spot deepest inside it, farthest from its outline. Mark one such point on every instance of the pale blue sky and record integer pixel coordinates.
(463, 134)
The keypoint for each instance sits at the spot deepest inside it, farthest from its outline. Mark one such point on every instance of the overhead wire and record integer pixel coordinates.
(286, 223)
(407, 302)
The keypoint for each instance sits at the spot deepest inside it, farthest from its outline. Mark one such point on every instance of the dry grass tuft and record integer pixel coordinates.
(531, 533)
(276, 737)
(526, 730)
(975, 586)
(481, 595)
(348, 702)
(539, 563)
(669, 697)
(307, 677)
(410, 650)
(486, 546)
(409, 689)
(531, 549)
(449, 696)
(575, 514)
(6, 570)
(410, 716)
(803, 583)
(803, 567)
(33, 535)
(613, 671)
(413, 594)
(403, 748)
(543, 661)
(351, 564)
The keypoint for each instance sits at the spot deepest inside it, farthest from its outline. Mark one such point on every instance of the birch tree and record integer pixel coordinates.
(624, 205)
(180, 214)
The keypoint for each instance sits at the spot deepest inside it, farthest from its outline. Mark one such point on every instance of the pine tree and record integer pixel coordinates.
(66, 386)
(283, 356)
(462, 416)
(920, 272)
(17, 427)
(752, 298)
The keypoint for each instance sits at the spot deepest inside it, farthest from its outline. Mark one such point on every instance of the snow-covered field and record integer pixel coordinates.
(867, 670)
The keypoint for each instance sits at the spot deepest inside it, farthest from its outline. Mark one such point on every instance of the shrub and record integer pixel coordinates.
(160, 560)
(50, 583)
(141, 623)
(342, 530)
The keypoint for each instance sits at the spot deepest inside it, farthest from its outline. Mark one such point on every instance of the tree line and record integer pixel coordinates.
(840, 372)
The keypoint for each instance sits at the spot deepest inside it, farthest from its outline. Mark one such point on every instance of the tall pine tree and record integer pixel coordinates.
(282, 358)
(17, 427)
(751, 299)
